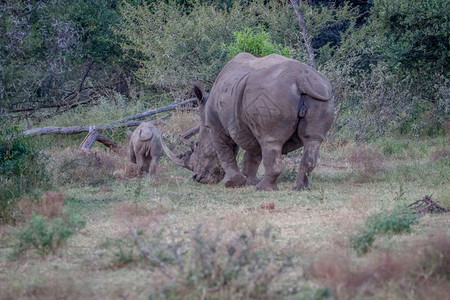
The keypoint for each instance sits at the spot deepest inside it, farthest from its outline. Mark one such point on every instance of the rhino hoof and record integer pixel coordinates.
(301, 187)
(253, 180)
(266, 187)
(235, 181)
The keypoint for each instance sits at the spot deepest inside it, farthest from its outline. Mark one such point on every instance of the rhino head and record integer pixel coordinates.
(202, 158)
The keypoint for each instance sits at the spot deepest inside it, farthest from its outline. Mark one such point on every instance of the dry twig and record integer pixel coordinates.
(426, 205)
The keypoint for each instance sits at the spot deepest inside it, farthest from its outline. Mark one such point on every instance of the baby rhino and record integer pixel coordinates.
(145, 147)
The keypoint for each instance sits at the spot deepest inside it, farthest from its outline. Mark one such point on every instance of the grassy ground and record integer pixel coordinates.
(173, 238)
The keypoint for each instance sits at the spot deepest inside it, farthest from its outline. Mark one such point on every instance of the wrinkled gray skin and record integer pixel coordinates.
(268, 107)
(145, 148)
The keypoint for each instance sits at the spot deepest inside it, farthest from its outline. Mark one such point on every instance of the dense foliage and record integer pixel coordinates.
(22, 171)
(387, 60)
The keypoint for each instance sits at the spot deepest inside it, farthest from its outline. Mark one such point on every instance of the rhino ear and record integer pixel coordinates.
(199, 92)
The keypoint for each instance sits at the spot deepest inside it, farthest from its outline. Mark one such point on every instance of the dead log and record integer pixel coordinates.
(93, 136)
(78, 129)
(110, 144)
(89, 141)
(156, 111)
(113, 124)
(188, 134)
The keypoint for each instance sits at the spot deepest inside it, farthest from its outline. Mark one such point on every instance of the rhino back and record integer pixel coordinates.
(253, 97)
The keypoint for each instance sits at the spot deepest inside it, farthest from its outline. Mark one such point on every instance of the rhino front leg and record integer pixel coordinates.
(226, 151)
(271, 155)
(250, 165)
(307, 164)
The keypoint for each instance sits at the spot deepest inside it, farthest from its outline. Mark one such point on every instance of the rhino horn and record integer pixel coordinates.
(181, 160)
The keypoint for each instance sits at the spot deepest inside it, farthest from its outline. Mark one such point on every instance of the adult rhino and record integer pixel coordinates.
(268, 107)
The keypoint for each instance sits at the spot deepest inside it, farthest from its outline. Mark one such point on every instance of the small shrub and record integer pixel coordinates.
(242, 265)
(45, 235)
(398, 221)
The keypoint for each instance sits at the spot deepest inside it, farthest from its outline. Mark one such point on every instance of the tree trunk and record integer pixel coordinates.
(305, 35)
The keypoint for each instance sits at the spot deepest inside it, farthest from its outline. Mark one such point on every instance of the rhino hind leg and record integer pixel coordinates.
(154, 164)
(143, 164)
(271, 155)
(132, 155)
(250, 165)
(307, 164)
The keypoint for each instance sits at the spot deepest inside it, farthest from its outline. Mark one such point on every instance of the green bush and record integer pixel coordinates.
(399, 220)
(258, 44)
(45, 235)
(22, 170)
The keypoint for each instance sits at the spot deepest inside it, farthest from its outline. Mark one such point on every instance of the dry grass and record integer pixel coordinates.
(50, 205)
(419, 270)
(74, 167)
(366, 160)
(312, 225)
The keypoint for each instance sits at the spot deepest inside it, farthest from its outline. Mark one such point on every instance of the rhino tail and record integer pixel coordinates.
(148, 135)
(315, 85)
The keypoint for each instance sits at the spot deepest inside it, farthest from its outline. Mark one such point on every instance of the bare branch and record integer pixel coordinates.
(305, 35)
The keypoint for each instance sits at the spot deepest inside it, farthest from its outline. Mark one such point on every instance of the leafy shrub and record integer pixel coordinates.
(399, 220)
(243, 265)
(22, 170)
(46, 235)
(258, 44)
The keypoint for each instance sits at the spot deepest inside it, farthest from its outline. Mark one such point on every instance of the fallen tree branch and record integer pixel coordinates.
(113, 124)
(93, 136)
(156, 111)
(188, 134)
(77, 129)
(426, 205)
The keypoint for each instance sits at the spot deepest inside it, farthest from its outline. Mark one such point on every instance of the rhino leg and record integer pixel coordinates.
(250, 165)
(271, 155)
(156, 153)
(307, 164)
(132, 155)
(226, 152)
(143, 164)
